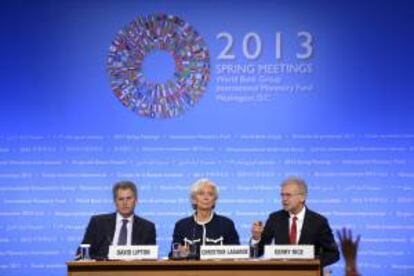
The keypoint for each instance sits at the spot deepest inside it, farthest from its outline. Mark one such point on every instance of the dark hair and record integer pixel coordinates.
(125, 184)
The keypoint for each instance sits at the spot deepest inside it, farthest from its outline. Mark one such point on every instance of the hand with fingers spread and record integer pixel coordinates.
(349, 248)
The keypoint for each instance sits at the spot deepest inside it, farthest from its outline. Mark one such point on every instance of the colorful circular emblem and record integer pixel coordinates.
(158, 33)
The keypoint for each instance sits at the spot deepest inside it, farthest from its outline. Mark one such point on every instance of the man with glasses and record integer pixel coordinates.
(296, 224)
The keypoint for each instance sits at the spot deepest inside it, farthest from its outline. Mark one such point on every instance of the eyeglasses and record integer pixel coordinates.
(288, 195)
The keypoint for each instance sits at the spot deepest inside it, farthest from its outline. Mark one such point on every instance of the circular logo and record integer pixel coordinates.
(142, 93)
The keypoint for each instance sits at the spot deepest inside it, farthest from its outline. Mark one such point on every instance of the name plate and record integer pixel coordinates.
(210, 252)
(133, 252)
(289, 252)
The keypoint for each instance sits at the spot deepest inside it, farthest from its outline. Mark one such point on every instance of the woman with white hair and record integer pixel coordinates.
(204, 227)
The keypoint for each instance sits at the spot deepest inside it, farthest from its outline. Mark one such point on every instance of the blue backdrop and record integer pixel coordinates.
(318, 89)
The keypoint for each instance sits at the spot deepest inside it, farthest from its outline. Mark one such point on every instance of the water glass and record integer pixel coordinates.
(175, 250)
(84, 252)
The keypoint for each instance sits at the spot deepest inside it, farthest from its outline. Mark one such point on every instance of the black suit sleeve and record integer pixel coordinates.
(99, 243)
(232, 237)
(144, 232)
(177, 235)
(177, 238)
(89, 237)
(268, 234)
(90, 230)
(328, 249)
(152, 234)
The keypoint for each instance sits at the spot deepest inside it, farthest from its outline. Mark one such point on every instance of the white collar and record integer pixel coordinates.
(300, 215)
(120, 218)
(204, 222)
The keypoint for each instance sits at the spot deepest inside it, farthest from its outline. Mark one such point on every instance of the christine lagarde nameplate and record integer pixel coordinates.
(211, 252)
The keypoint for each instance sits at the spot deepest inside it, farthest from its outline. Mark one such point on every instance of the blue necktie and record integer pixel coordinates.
(122, 240)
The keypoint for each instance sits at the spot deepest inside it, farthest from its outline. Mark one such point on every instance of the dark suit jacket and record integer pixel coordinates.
(101, 229)
(315, 231)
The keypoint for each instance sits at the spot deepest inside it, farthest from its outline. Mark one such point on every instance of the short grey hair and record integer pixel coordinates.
(123, 185)
(300, 182)
(198, 185)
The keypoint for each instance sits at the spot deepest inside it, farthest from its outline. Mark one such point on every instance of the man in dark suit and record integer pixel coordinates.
(296, 224)
(120, 228)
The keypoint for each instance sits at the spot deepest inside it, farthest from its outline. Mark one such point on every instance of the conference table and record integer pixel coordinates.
(195, 268)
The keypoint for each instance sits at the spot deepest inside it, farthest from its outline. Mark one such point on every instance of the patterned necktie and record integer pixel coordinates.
(293, 231)
(122, 240)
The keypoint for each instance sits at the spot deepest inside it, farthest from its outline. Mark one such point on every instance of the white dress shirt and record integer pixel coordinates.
(118, 226)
